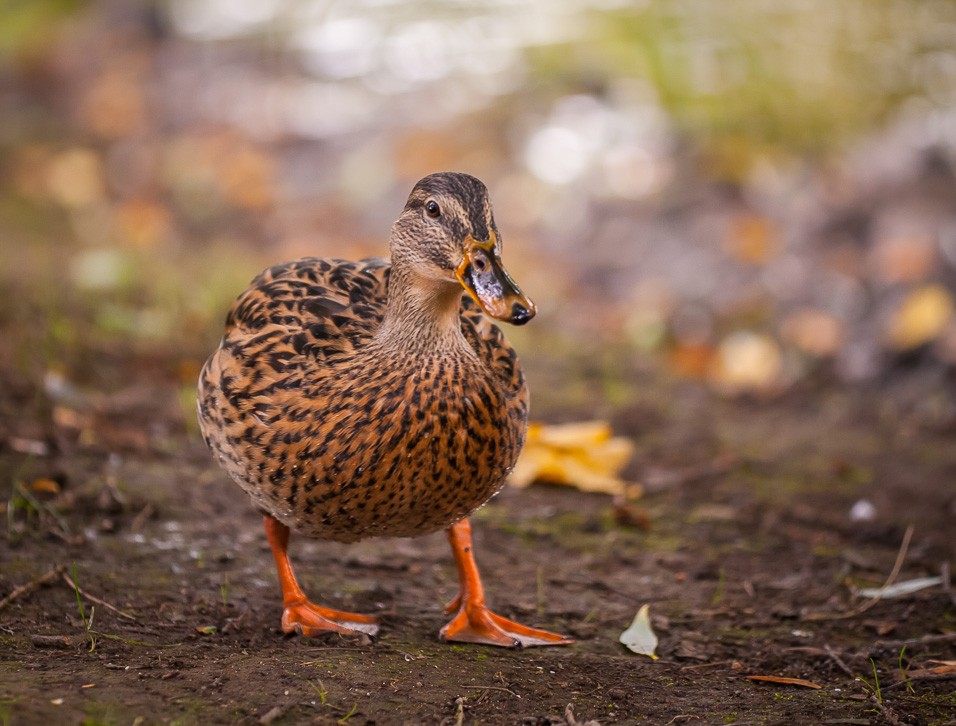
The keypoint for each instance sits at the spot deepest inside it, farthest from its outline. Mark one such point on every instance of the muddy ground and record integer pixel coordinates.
(742, 544)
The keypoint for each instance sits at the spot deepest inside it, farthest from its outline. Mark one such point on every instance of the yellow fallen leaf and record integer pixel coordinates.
(584, 454)
(570, 435)
(922, 317)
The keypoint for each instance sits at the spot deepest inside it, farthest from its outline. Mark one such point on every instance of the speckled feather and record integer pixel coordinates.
(341, 436)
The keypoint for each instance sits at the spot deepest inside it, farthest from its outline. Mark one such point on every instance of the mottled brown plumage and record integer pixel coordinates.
(342, 436)
(359, 399)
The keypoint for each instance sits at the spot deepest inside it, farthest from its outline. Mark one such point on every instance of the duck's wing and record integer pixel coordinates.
(287, 338)
(289, 327)
(316, 306)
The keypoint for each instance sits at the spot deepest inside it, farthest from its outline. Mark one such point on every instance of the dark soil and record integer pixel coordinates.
(749, 562)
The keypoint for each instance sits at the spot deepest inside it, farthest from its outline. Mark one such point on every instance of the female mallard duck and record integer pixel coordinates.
(363, 399)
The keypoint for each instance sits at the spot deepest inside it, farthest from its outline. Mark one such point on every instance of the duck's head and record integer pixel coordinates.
(447, 233)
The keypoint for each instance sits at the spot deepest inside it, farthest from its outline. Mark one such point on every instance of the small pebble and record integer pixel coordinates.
(863, 511)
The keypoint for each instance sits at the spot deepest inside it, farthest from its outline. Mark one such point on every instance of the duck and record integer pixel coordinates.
(376, 398)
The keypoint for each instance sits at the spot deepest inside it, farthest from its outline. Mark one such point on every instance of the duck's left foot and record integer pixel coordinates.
(475, 623)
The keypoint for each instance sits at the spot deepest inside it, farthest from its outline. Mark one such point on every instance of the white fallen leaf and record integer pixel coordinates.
(640, 637)
(901, 588)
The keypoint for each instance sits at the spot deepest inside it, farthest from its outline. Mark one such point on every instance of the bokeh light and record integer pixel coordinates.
(751, 191)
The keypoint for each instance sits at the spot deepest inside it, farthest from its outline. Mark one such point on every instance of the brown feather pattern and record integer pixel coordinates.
(341, 433)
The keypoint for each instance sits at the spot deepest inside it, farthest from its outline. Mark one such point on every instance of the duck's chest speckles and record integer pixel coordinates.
(401, 449)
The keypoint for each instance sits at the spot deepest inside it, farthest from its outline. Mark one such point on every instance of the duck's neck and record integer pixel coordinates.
(422, 314)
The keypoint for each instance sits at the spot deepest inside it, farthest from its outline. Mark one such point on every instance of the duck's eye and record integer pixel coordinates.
(432, 208)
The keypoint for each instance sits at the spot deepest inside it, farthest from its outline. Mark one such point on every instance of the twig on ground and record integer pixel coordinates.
(496, 688)
(76, 588)
(272, 714)
(70, 539)
(888, 713)
(911, 676)
(39, 506)
(140, 519)
(862, 608)
(924, 640)
(699, 666)
(832, 654)
(33, 585)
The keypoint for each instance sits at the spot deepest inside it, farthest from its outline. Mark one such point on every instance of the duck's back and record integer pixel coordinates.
(321, 305)
(337, 439)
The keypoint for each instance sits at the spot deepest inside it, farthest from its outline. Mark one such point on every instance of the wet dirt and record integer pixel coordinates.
(742, 544)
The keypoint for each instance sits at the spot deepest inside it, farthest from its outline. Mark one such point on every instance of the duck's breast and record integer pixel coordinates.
(387, 451)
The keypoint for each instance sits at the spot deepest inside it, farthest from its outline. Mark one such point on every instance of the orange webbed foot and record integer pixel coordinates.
(475, 623)
(299, 615)
(309, 620)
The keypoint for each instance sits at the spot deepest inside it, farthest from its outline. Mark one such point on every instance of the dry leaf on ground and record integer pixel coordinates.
(585, 455)
(640, 637)
(907, 587)
(943, 668)
(44, 486)
(785, 681)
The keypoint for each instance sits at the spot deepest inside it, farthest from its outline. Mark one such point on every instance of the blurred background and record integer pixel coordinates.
(757, 196)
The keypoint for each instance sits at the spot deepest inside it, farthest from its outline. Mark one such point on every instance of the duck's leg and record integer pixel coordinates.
(301, 616)
(474, 622)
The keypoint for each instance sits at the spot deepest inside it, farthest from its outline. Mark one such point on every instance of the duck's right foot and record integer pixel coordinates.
(309, 620)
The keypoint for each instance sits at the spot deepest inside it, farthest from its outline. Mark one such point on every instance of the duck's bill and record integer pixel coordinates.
(489, 284)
